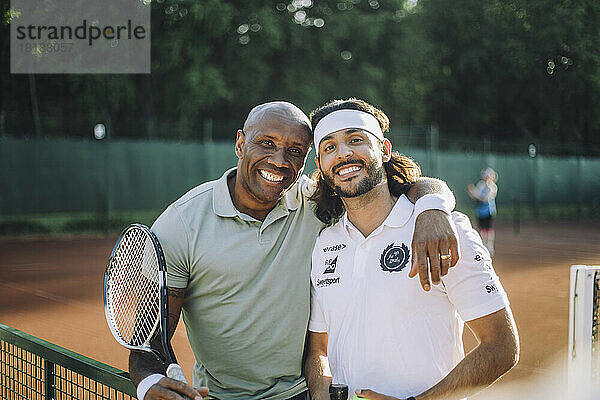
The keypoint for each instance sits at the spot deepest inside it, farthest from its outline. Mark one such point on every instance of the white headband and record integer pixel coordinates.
(346, 119)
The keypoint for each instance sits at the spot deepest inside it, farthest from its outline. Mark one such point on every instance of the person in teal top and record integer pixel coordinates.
(238, 260)
(485, 196)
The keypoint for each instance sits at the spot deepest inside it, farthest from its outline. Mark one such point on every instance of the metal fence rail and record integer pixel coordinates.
(32, 368)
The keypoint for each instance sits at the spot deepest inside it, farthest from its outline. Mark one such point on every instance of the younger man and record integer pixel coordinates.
(378, 331)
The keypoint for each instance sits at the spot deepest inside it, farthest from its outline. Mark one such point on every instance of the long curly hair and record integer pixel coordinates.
(401, 171)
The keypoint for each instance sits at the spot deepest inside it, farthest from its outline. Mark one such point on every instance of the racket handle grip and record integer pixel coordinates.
(174, 371)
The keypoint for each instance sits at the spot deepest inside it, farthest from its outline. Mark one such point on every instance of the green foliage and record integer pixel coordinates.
(507, 69)
(517, 68)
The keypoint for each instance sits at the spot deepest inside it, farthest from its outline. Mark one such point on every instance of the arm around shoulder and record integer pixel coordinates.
(425, 186)
(434, 238)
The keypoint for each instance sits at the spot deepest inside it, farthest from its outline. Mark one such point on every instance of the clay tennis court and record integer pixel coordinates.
(52, 288)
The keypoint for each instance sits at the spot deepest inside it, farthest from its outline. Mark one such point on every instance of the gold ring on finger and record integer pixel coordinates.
(444, 257)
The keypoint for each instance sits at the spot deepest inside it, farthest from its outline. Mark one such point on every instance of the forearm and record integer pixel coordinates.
(317, 375)
(479, 369)
(143, 364)
(430, 186)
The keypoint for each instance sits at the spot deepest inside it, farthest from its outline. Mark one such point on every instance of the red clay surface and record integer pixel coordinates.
(52, 288)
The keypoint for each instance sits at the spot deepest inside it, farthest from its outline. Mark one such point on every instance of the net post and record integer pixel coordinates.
(49, 380)
(584, 336)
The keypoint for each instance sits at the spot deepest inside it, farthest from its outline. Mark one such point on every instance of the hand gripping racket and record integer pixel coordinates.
(135, 295)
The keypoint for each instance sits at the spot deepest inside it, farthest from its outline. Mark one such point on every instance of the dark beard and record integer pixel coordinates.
(373, 178)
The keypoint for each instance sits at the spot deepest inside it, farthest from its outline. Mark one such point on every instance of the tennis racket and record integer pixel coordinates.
(135, 295)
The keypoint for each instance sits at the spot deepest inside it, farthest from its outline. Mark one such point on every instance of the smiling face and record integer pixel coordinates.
(351, 161)
(271, 154)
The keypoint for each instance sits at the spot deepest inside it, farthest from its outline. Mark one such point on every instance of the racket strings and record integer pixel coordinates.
(133, 288)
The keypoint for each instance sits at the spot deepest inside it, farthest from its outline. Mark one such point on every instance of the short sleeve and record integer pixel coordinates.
(432, 202)
(472, 285)
(317, 321)
(170, 231)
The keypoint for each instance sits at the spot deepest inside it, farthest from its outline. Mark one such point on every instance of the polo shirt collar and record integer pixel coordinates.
(223, 204)
(397, 218)
(401, 213)
(293, 197)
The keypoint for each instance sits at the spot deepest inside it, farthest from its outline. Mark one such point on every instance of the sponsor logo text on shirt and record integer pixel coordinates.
(335, 247)
(327, 281)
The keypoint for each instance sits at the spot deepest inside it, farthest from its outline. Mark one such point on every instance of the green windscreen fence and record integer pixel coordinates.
(67, 175)
(537, 183)
(45, 176)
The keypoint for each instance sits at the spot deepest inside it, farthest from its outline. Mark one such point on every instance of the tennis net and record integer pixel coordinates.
(32, 369)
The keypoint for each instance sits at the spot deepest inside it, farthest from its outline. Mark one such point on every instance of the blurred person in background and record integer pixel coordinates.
(484, 193)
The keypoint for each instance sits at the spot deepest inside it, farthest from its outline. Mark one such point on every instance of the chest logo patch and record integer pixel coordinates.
(394, 258)
(330, 265)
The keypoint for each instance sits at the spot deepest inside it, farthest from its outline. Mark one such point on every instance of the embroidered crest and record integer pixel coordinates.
(394, 258)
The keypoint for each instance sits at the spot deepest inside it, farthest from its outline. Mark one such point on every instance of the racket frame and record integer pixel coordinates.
(163, 320)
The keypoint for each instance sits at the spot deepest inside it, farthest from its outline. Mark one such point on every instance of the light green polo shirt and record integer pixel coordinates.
(247, 301)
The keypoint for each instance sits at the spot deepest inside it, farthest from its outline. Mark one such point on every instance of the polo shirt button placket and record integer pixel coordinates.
(359, 261)
(260, 236)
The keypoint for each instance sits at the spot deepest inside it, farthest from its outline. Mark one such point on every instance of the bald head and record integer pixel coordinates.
(276, 110)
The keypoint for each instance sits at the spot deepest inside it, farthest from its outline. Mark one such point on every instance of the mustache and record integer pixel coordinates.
(339, 166)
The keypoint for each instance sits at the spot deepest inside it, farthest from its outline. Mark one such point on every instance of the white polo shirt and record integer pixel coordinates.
(385, 332)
